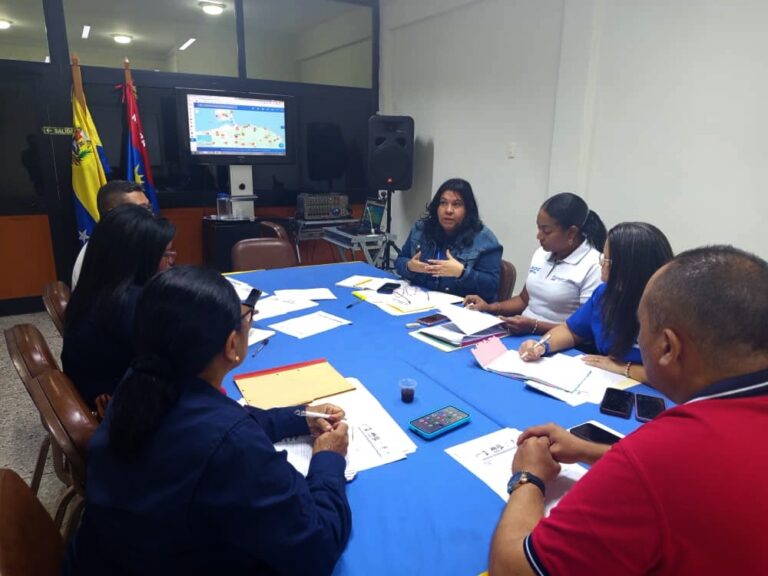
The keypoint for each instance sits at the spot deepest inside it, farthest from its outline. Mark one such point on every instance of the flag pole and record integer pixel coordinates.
(127, 73)
(77, 80)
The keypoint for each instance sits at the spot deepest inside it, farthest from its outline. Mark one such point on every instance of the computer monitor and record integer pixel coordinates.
(373, 213)
(232, 128)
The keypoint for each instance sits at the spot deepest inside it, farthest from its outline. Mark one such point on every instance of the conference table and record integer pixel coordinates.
(426, 514)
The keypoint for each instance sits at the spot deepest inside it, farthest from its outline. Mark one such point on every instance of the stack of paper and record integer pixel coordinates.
(490, 459)
(407, 300)
(466, 327)
(367, 282)
(375, 438)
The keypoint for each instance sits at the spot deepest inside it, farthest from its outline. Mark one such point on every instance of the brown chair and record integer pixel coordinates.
(263, 254)
(31, 357)
(30, 543)
(507, 280)
(71, 425)
(55, 298)
(274, 230)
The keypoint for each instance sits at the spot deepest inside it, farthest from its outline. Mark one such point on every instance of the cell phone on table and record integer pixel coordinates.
(432, 319)
(648, 407)
(617, 403)
(388, 288)
(439, 422)
(595, 432)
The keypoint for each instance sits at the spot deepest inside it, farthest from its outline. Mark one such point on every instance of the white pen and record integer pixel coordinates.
(310, 414)
(544, 339)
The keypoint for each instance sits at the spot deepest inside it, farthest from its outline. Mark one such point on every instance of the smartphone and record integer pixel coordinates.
(388, 288)
(648, 407)
(596, 432)
(252, 298)
(617, 403)
(432, 320)
(439, 422)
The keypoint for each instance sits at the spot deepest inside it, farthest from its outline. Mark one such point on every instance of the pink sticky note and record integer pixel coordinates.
(488, 350)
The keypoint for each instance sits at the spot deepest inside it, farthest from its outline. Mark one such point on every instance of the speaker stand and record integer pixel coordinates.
(387, 263)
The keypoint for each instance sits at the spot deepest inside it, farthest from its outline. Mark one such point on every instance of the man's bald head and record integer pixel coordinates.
(718, 296)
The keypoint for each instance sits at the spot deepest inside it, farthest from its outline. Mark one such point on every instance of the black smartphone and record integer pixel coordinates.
(432, 320)
(594, 432)
(617, 403)
(388, 288)
(648, 407)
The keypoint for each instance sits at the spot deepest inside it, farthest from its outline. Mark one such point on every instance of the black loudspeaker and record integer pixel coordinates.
(326, 151)
(390, 152)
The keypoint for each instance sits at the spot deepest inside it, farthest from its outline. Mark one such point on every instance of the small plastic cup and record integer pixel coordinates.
(407, 389)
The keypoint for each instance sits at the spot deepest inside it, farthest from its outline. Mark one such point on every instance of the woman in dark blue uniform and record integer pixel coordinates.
(184, 480)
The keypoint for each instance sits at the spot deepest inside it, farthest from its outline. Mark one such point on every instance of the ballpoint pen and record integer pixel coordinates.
(310, 414)
(542, 341)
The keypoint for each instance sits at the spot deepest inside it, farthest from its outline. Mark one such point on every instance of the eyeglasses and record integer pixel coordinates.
(604, 260)
(170, 255)
(248, 314)
(407, 294)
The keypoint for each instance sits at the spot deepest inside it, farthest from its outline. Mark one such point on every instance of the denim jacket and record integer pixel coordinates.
(481, 259)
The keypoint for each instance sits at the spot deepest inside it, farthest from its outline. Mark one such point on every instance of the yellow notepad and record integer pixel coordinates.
(291, 384)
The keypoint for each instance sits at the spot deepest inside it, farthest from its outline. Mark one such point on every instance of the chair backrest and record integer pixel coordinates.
(274, 230)
(30, 543)
(506, 281)
(29, 353)
(263, 254)
(69, 421)
(55, 298)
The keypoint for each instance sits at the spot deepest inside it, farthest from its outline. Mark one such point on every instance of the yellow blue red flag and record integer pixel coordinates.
(138, 169)
(89, 163)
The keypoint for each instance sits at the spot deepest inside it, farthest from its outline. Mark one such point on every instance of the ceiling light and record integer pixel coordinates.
(86, 32)
(122, 38)
(5, 24)
(212, 8)
(187, 44)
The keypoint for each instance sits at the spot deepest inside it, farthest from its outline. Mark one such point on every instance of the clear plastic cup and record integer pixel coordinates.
(224, 207)
(407, 389)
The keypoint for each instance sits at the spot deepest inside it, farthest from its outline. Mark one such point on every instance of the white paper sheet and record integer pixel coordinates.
(375, 438)
(408, 300)
(470, 321)
(256, 335)
(274, 306)
(310, 324)
(490, 458)
(306, 294)
(243, 289)
(367, 282)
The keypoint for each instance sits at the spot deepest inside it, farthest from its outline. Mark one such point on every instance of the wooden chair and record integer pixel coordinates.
(31, 357)
(55, 298)
(30, 543)
(506, 281)
(263, 254)
(71, 425)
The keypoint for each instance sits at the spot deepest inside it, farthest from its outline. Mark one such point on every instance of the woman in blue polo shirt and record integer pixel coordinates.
(450, 249)
(184, 480)
(633, 252)
(564, 270)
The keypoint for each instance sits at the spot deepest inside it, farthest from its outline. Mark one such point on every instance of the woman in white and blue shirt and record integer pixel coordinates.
(564, 271)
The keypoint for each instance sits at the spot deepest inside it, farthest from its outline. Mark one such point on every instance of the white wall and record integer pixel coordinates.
(476, 75)
(651, 110)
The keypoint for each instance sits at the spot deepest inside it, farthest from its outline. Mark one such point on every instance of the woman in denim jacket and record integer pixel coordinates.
(450, 249)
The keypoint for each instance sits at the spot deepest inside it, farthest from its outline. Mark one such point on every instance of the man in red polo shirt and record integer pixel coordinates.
(684, 494)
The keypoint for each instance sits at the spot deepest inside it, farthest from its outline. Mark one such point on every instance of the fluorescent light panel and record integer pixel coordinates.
(122, 38)
(187, 44)
(86, 32)
(212, 8)
(5, 24)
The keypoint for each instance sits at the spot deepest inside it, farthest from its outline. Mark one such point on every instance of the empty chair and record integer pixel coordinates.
(31, 357)
(506, 281)
(30, 543)
(274, 230)
(263, 254)
(55, 298)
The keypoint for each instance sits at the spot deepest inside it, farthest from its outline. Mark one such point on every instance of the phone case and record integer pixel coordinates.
(439, 422)
(617, 403)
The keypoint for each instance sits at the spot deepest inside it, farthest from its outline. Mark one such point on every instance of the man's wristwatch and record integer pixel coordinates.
(520, 478)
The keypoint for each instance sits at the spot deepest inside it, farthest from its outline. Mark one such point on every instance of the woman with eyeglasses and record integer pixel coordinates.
(450, 249)
(564, 270)
(128, 247)
(632, 253)
(183, 479)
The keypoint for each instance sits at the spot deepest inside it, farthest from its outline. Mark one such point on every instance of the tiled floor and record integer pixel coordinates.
(20, 429)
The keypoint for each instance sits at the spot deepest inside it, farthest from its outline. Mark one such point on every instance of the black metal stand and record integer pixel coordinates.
(387, 263)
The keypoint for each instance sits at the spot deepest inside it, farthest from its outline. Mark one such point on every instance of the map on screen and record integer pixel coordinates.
(233, 125)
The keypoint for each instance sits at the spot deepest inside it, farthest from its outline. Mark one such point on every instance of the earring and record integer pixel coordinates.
(237, 358)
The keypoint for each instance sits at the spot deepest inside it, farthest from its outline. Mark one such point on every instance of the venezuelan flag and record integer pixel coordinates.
(89, 163)
(139, 169)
